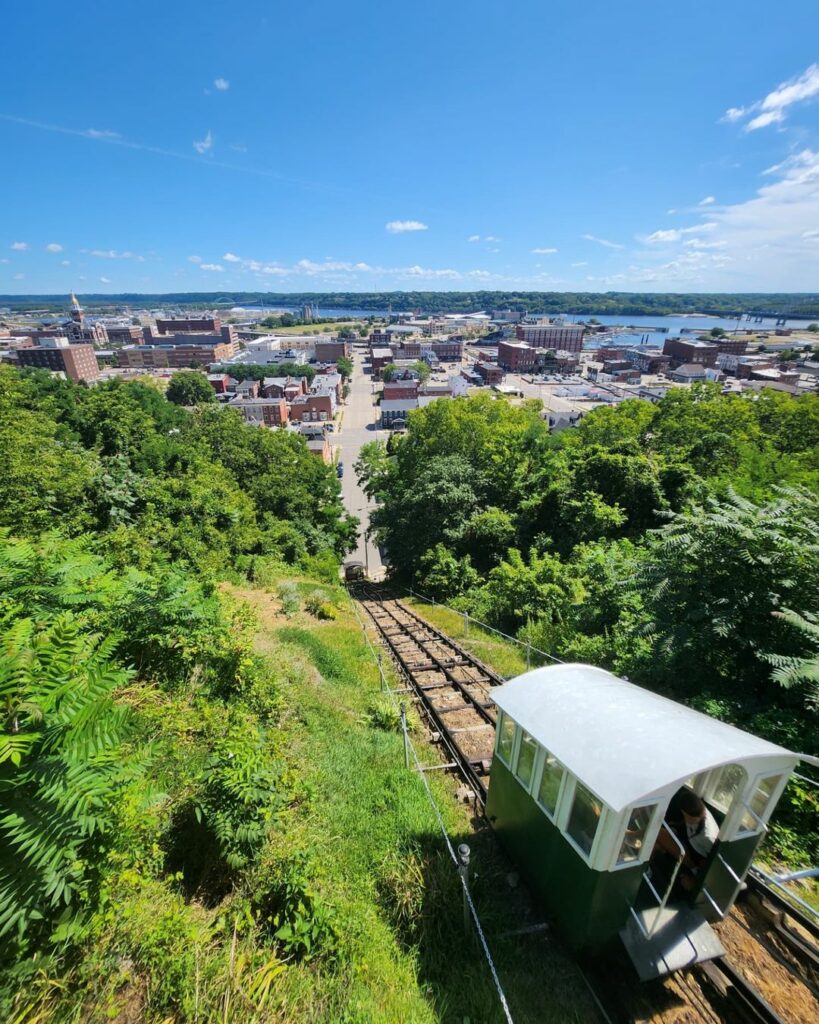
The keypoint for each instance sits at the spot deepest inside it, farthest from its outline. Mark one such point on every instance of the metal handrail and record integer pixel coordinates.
(771, 880)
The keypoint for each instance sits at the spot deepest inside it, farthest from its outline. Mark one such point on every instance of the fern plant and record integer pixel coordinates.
(61, 771)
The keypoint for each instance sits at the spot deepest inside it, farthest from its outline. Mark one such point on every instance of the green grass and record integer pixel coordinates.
(383, 864)
(505, 657)
(317, 328)
(355, 838)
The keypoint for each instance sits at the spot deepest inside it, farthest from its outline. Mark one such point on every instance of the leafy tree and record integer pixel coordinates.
(446, 576)
(712, 579)
(189, 389)
(796, 671)
(344, 366)
(421, 367)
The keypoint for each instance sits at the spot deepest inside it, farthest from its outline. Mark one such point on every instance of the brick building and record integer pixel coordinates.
(379, 358)
(313, 407)
(176, 356)
(124, 334)
(77, 362)
(566, 337)
(690, 353)
(189, 324)
(447, 349)
(330, 351)
(287, 388)
(489, 373)
(648, 360)
(267, 412)
(400, 389)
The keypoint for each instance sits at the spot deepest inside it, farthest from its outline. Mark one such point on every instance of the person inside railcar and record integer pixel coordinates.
(695, 827)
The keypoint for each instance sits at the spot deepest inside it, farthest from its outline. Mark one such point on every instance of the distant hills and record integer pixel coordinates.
(796, 305)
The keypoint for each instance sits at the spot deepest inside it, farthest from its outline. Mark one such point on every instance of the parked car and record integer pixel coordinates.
(340, 469)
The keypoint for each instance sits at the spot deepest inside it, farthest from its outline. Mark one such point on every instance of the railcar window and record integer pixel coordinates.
(526, 758)
(730, 780)
(506, 737)
(760, 803)
(638, 822)
(550, 781)
(584, 818)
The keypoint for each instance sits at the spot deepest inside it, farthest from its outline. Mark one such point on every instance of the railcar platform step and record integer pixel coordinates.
(680, 938)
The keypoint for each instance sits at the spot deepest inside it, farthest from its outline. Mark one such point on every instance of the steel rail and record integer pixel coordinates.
(392, 630)
(740, 994)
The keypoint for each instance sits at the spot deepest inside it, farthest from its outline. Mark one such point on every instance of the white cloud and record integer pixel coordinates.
(211, 266)
(670, 213)
(763, 120)
(229, 257)
(194, 259)
(96, 133)
(543, 252)
(19, 246)
(582, 263)
(417, 271)
(222, 84)
(105, 280)
(491, 238)
(54, 247)
(204, 145)
(675, 234)
(113, 254)
(602, 241)
(474, 238)
(707, 201)
(398, 227)
(238, 147)
(19, 277)
(65, 263)
(772, 108)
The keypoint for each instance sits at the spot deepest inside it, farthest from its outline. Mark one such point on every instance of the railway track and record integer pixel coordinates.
(454, 691)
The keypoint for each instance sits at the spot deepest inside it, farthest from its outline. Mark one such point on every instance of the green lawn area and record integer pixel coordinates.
(379, 859)
(317, 328)
(505, 657)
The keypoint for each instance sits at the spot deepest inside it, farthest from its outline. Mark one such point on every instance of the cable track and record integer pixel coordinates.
(453, 689)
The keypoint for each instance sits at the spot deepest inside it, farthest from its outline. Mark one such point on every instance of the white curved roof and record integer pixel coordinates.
(624, 742)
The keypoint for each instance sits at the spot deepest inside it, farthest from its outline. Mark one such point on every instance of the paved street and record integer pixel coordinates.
(357, 428)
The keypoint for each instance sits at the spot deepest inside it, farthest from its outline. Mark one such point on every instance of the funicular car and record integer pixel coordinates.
(584, 769)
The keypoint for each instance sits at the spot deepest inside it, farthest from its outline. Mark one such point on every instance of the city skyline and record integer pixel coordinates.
(464, 149)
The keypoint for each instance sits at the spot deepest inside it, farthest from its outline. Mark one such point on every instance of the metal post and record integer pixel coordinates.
(528, 656)
(463, 871)
(466, 623)
(366, 552)
(404, 731)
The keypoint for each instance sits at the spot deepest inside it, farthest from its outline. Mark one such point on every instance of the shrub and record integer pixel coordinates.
(319, 605)
(293, 913)
(289, 597)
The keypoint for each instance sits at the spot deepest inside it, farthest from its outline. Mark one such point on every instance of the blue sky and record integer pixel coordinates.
(547, 145)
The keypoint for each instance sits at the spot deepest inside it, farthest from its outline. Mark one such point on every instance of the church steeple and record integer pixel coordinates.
(76, 310)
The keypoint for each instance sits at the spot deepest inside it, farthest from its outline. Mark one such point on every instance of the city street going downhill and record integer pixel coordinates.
(359, 426)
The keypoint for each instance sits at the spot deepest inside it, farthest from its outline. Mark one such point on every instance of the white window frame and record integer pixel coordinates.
(568, 790)
(537, 777)
(737, 831)
(498, 731)
(517, 748)
(649, 838)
